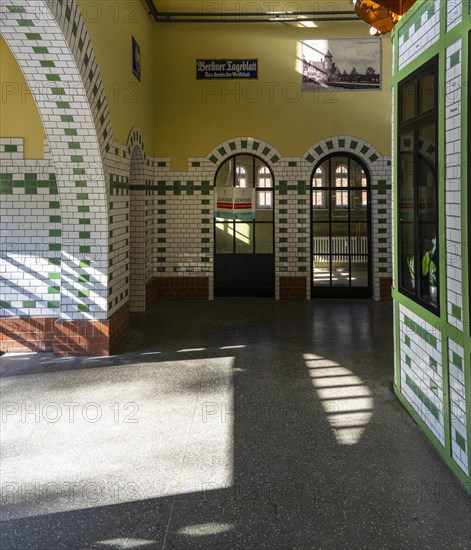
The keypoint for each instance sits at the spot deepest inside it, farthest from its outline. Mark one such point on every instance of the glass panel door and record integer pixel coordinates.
(341, 264)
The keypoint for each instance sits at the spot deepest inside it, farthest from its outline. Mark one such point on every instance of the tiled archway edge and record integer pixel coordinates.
(68, 278)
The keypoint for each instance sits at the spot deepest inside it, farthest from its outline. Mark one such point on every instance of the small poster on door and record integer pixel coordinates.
(234, 203)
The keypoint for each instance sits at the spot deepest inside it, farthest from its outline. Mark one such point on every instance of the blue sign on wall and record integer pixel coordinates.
(226, 68)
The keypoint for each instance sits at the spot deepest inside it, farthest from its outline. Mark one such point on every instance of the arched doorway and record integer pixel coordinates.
(341, 228)
(244, 260)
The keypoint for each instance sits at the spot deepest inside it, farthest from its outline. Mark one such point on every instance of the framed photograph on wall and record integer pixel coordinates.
(341, 65)
(136, 59)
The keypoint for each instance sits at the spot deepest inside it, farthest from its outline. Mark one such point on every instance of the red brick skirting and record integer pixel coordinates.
(64, 337)
(22, 334)
(180, 288)
(292, 288)
(151, 291)
(385, 284)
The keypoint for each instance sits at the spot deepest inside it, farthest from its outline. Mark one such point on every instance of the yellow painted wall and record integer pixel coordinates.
(19, 116)
(190, 122)
(110, 26)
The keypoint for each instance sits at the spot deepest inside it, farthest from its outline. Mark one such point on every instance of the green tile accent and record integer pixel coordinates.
(244, 143)
(73, 145)
(461, 441)
(40, 49)
(4, 305)
(353, 144)
(33, 36)
(319, 150)
(420, 331)
(64, 105)
(67, 118)
(275, 159)
(83, 308)
(46, 63)
(292, 164)
(11, 148)
(16, 9)
(84, 250)
(407, 341)
(455, 58)
(53, 305)
(84, 294)
(421, 395)
(53, 276)
(213, 159)
(84, 221)
(341, 143)
(196, 164)
(76, 158)
(330, 145)
(84, 234)
(55, 219)
(434, 387)
(53, 290)
(29, 304)
(374, 157)
(457, 361)
(310, 159)
(364, 150)
(55, 261)
(84, 264)
(408, 361)
(433, 364)
(54, 205)
(256, 145)
(222, 151)
(53, 77)
(55, 233)
(456, 312)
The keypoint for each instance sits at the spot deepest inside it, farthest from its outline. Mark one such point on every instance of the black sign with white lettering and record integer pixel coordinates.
(226, 68)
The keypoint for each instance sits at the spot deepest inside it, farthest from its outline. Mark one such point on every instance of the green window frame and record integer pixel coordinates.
(417, 179)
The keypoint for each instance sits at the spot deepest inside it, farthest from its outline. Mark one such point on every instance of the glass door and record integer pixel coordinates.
(341, 238)
(244, 261)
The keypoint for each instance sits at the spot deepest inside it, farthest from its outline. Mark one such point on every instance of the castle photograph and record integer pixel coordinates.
(341, 64)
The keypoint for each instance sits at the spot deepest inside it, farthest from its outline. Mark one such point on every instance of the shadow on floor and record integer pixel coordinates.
(260, 424)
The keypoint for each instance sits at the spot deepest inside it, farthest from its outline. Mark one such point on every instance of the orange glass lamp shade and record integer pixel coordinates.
(398, 7)
(379, 17)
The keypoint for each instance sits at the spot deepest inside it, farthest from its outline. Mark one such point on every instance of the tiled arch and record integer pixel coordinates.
(342, 144)
(238, 145)
(52, 47)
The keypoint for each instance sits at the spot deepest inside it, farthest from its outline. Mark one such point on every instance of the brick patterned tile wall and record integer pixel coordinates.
(454, 13)
(422, 370)
(458, 406)
(454, 250)
(421, 28)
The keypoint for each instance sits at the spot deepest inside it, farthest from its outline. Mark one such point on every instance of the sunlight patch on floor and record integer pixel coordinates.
(345, 398)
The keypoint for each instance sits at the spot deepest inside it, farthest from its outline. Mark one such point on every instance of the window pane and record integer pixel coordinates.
(357, 175)
(340, 271)
(244, 238)
(265, 199)
(406, 208)
(263, 174)
(264, 215)
(225, 177)
(358, 206)
(408, 102)
(244, 171)
(224, 238)
(264, 238)
(427, 98)
(427, 213)
(359, 271)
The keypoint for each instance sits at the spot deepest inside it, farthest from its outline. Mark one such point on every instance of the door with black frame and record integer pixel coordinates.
(244, 261)
(341, 228)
